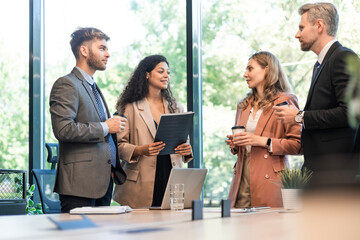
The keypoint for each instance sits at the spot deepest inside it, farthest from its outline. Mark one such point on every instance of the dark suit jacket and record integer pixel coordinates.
(327, 132)
(84, 165)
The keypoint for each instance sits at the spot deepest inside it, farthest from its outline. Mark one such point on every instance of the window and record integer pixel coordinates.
(14, 71)
(232, 31)
(136, 29)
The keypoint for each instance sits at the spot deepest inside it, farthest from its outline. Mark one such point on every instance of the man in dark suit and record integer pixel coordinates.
(85, 130)
(326, 135)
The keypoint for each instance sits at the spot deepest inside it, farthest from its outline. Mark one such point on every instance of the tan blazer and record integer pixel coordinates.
(265, 166)
(137, 191)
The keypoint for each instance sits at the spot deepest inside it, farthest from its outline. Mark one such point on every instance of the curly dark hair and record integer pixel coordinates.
(138, 86)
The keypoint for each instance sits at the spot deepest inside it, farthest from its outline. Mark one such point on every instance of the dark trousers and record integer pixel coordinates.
(69, 202)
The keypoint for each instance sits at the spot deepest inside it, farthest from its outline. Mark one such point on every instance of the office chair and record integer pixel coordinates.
(52, 150)
(45, 180)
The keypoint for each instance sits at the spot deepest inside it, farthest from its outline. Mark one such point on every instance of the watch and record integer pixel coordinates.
(299, 117)
(267, 146)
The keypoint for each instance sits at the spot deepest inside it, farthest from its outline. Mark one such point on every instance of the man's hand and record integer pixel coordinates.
(116, 124)
(286, 114)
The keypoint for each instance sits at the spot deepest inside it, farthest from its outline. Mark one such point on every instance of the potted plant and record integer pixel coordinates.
(352, 96)
(292, 182)
(31, 208)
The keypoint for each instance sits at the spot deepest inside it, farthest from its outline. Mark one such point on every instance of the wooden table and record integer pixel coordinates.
(155, 224)
(327, 214)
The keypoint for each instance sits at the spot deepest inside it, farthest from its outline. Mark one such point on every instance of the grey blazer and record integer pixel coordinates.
(84, 166)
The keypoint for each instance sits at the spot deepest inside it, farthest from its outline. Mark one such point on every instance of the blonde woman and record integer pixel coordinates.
(263, 147)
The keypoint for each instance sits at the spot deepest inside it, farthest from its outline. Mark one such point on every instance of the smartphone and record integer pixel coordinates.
(282, 104)
(117, 114)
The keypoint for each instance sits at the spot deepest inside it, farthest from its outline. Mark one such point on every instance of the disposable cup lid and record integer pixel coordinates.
(238, 127)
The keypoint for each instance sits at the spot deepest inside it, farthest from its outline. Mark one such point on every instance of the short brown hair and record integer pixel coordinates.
(83, 35)
(325, 11)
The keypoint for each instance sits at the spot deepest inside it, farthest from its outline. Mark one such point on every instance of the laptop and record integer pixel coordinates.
(193, 179)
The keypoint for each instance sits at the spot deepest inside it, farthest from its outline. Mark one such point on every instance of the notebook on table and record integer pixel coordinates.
(193, 180)
(101, 210)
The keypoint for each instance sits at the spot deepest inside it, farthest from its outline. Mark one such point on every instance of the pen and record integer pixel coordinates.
(253, 209)
(260, 208)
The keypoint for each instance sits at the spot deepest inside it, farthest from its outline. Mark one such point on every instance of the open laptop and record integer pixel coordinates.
(193, 179)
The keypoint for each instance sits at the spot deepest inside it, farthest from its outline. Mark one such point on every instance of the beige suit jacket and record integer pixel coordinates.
(137, 191)
(265, 166)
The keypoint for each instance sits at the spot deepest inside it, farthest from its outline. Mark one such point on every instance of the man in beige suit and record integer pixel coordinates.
(84, 128)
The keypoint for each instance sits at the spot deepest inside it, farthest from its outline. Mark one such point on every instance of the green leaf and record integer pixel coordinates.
(18, 180)
(30, 203)
(295, 178)
(39, 212)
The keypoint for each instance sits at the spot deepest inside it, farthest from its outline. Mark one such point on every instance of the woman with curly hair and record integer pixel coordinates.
(147, 96)
(263, 147)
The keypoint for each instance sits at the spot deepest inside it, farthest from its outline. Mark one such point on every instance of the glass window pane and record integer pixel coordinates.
(136, 29)
(232, 31)
(14, 94)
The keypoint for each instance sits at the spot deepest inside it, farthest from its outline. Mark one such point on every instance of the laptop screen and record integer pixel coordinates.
(193, 180)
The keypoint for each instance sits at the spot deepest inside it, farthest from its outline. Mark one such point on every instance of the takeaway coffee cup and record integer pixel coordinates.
(237, 129)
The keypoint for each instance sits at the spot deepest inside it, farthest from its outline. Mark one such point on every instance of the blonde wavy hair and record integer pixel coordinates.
(275, 81)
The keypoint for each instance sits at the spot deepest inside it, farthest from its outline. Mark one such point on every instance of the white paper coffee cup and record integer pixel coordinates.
(237, 129)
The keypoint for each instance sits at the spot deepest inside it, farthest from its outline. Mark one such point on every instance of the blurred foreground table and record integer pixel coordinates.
(324, 216)
(158, 224)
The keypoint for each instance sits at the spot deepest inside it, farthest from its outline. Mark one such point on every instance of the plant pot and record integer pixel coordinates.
(291, 199)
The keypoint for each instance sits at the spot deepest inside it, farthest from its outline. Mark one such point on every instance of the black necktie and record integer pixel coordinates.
(103, 119)
(315, 71)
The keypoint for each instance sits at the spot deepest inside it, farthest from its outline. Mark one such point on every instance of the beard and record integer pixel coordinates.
(306, 46)
(95, 62)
